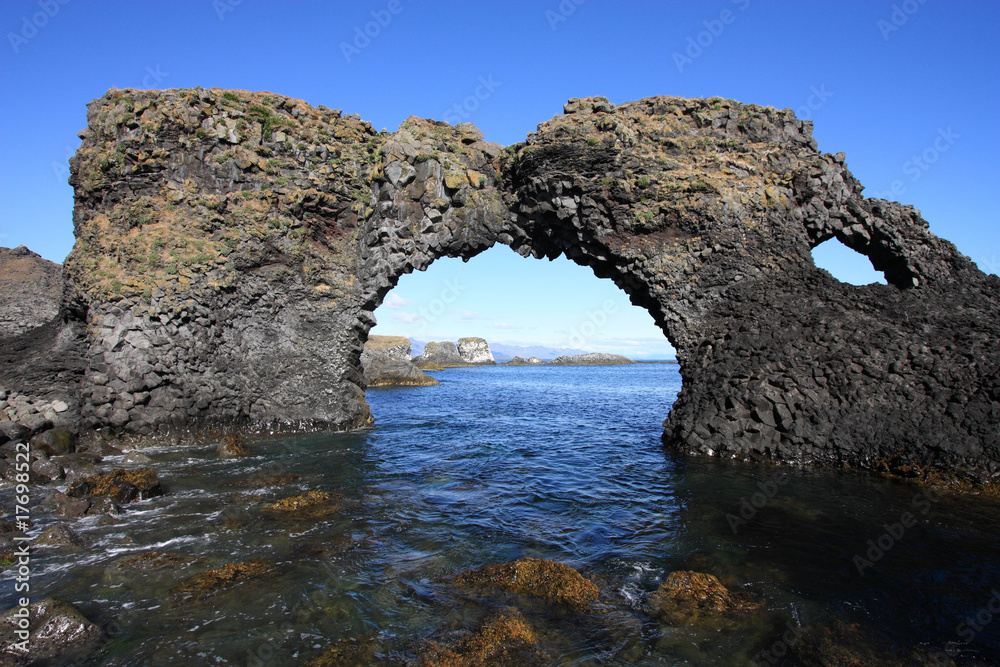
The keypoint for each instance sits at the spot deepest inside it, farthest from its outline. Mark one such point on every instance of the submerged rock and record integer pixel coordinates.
(232, 445)
(59, 634)
(207, 584)
(505, 640)
(311, 504)
(548, 580)
(120, 485)
(60, 535)
(346, 653)
(530, 361)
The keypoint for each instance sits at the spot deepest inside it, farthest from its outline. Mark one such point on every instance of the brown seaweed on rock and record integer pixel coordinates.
(206, 584)
(504, 640)
(686, 595)
(544, 579)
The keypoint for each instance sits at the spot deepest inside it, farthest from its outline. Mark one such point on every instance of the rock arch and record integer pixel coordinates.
(281, 227)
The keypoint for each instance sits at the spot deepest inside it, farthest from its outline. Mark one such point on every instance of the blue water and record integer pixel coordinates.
(563, 463)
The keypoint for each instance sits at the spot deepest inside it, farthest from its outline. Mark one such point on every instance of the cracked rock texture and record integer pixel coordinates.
(232, 247)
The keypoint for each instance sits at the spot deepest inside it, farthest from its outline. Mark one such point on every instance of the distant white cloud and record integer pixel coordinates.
(395, 302)
(406, 318)
(503, 325)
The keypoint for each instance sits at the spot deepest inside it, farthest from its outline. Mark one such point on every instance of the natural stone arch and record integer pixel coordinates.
(703, 211)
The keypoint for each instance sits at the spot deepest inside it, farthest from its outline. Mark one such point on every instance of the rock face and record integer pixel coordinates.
(30, 290)
(254, 236)
(592, 359)
(475, 351)
(444, 355)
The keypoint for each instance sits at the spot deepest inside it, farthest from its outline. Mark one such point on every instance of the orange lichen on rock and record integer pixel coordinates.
(505, 640)
(545, 579)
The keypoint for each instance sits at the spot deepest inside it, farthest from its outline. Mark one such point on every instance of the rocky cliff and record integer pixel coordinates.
(386, 363)
(30, 290)
(475, 351)
(232, 246)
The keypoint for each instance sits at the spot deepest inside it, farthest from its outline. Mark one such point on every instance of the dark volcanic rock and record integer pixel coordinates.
(120, 485)
(256, 235)
(59, 633)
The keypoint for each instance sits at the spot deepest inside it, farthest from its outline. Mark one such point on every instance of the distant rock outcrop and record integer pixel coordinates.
(476, 351)
(30, 290)
(592, 359)
(531, 361)
(444, 354)
(386, 362)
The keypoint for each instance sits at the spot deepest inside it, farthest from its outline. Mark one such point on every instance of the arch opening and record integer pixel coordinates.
(846, 264)
(556, 306)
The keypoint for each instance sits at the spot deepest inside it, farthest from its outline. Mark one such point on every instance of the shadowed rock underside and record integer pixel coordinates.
(232, 247)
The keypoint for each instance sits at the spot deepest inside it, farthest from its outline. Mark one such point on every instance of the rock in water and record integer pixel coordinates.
(475, 351)
(444, 354)
(385, 371)
(592, 359)
(232, 446)
(59, 633)
(394, 347)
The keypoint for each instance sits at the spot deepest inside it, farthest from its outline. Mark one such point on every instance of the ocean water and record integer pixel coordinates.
(562, 463)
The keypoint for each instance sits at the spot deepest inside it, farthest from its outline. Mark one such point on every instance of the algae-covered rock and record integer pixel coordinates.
(207, 584)
(120, 485)
(687, 593)
(232, 446)
(504, 640)
(346, 653)
(544, 579)
(307, 505)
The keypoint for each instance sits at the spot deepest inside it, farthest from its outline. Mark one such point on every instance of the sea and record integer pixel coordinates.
(499, 463)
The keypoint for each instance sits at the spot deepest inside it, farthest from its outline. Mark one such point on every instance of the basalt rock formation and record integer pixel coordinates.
(475, 351)
(442, 354)
(232, 247)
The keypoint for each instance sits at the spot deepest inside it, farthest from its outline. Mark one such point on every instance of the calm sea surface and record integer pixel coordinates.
(562, 463)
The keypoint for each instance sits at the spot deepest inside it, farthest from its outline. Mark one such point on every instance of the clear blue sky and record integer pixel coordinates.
(881, 79)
